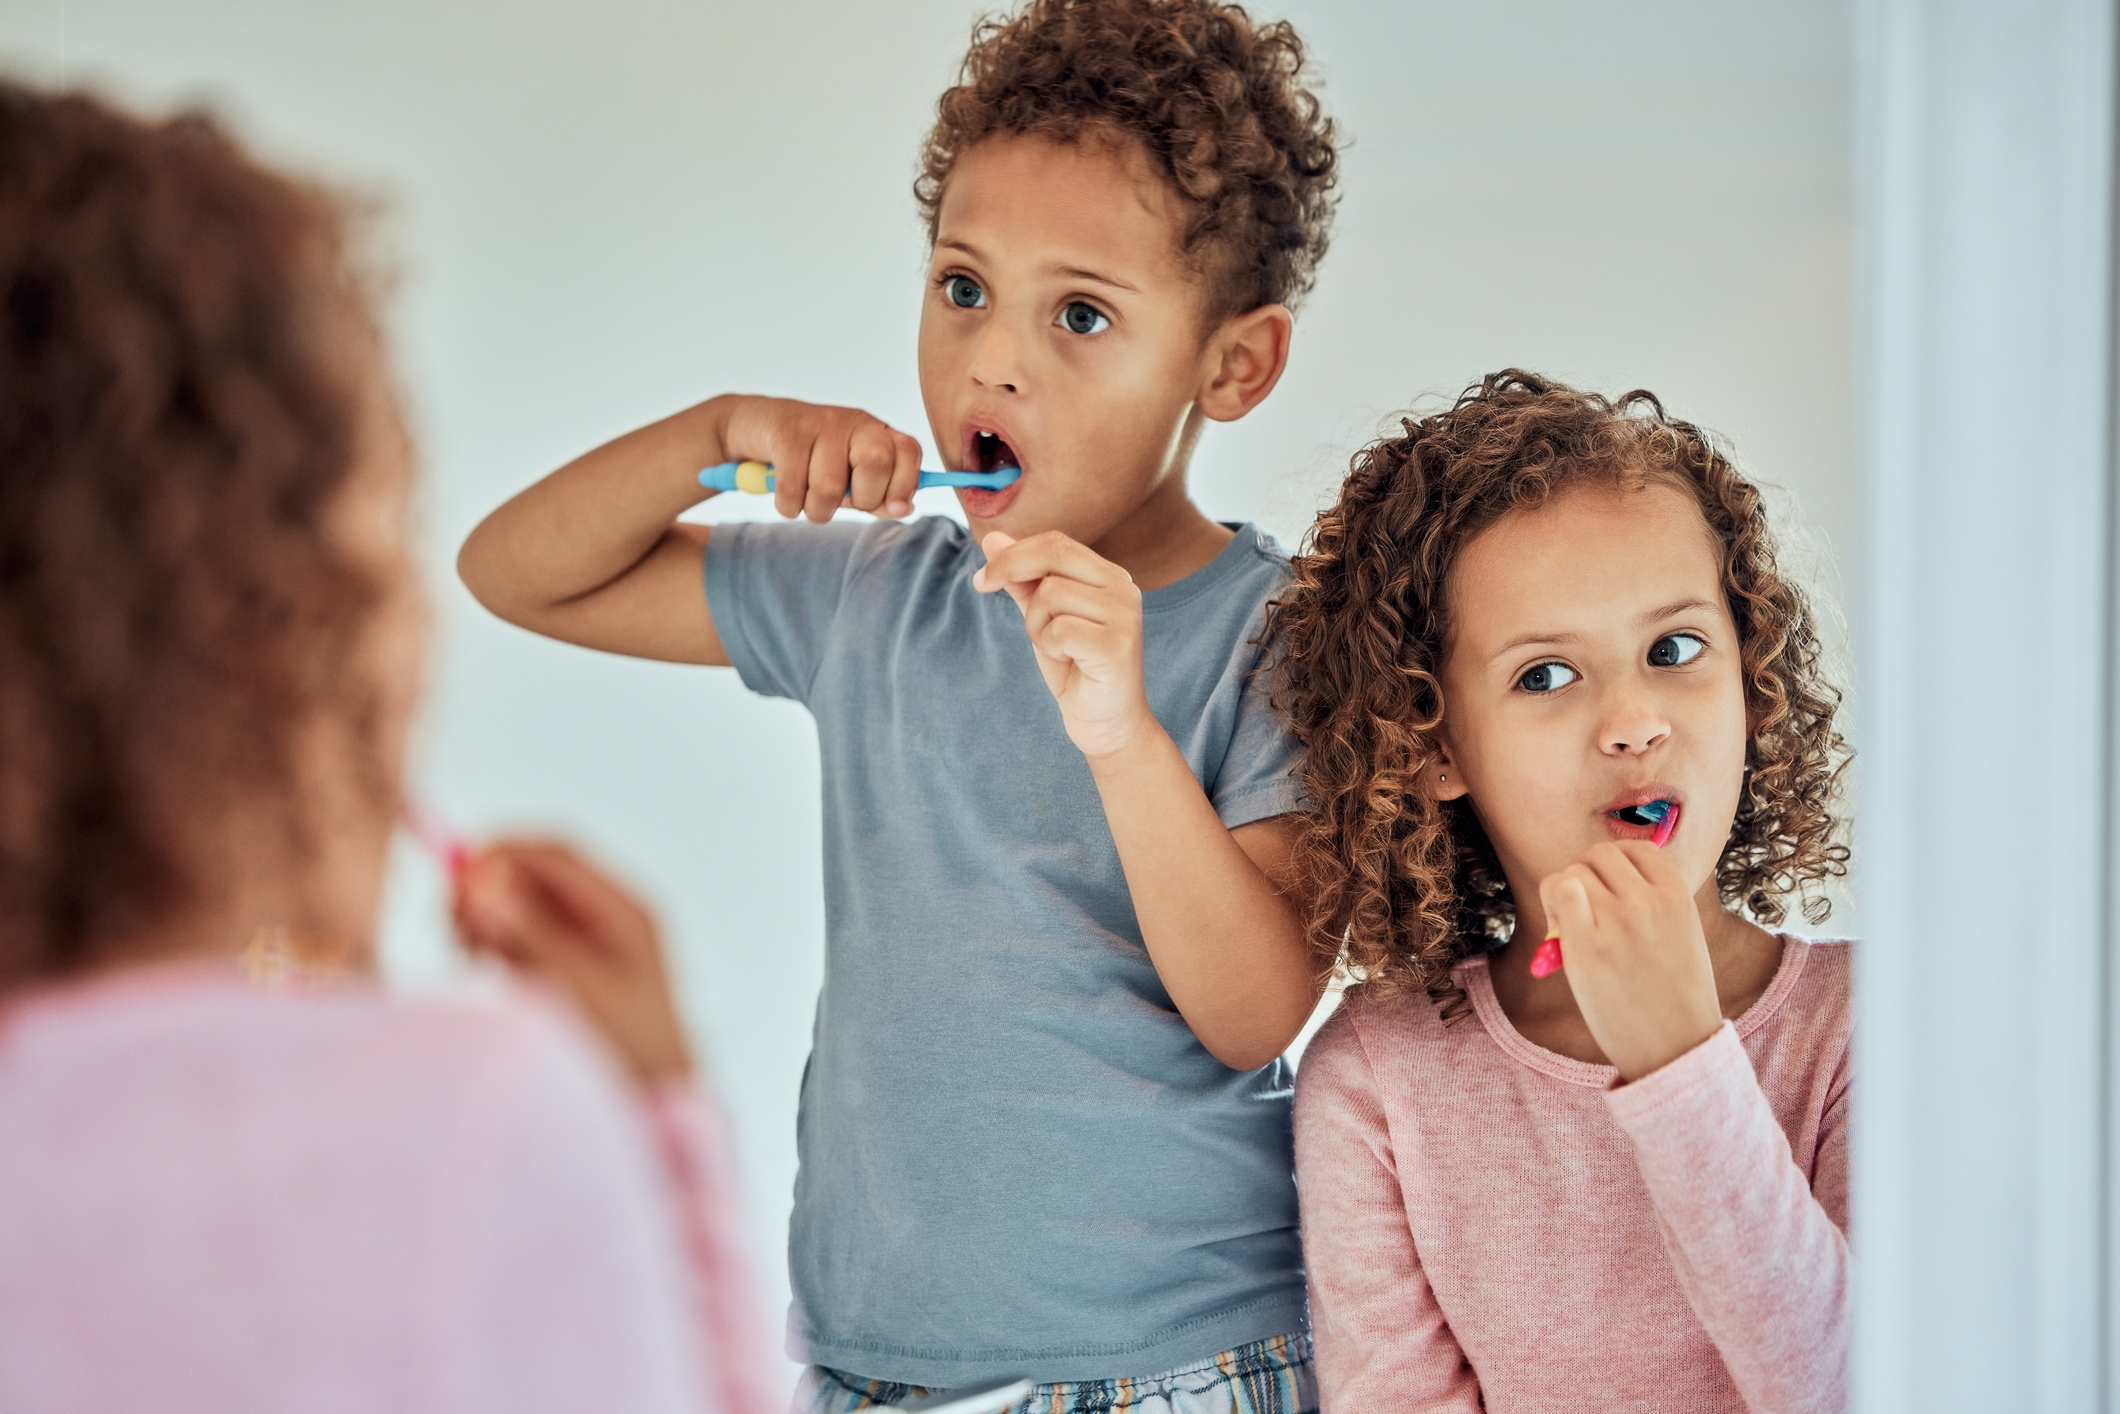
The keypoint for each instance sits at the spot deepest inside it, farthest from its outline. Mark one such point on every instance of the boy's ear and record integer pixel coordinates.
(1245, 358)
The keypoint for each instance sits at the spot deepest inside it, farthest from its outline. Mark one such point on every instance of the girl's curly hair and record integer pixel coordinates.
(1401, 886)
(1217, 100)
(186, 363)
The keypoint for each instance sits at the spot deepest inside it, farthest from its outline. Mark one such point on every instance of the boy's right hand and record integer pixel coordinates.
(596, 553)
(823, 457)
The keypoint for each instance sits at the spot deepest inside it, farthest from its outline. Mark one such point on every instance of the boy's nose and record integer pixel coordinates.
(994, 358)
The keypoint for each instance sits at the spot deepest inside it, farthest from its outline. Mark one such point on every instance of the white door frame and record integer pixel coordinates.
(1983, 1132)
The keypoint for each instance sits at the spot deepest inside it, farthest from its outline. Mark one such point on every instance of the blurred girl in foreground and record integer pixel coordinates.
(227, 1196)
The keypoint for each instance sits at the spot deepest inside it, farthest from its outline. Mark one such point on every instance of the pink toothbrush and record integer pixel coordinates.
(450, 849)
(1663, 814)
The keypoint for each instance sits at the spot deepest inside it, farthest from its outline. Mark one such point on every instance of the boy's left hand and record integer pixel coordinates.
(1083, 615)
(1636, 956)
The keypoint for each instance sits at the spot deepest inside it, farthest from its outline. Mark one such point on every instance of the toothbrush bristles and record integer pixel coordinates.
(1665, 826)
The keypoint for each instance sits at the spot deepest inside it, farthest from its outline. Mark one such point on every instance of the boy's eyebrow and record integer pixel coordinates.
(1076, 272)
(1072, 272)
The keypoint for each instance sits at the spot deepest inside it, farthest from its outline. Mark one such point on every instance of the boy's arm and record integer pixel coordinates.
(1211, 904)
(593, 555)
(1224, 939)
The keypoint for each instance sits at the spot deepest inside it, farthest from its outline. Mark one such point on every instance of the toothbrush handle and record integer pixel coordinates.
(1547, 959)
(757, 478)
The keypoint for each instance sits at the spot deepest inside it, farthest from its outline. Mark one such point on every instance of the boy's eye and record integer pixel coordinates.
(1675, 648)
(1547, 677)
(964, 292)
(1081, 318)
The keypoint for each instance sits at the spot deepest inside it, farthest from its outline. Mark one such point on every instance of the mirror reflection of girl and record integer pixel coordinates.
(1623, 1184)
(309, 1194)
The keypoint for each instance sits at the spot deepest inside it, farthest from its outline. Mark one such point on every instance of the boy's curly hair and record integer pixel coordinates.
(1216, 100)
(1401, 886)
(185, 367)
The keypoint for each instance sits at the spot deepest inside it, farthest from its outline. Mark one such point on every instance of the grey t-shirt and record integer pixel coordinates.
(1015, 1156)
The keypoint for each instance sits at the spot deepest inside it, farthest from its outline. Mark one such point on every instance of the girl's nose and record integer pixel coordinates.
(1633, 728)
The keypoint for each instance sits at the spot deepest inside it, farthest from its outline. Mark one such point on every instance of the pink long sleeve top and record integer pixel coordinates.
(1486, 1220)
(219, 1199)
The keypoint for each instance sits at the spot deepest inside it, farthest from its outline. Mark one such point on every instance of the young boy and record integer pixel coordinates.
(1044, 1129)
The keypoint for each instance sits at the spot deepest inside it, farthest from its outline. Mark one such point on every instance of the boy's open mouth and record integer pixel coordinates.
(991, 453)
(988, 450)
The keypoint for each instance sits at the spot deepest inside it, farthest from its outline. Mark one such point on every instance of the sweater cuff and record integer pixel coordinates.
(1684, 1083)
(688, 1126)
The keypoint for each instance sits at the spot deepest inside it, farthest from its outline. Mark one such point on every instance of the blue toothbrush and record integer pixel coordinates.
(757, 477)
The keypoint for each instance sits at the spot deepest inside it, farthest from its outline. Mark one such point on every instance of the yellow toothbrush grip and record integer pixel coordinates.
(756, 478)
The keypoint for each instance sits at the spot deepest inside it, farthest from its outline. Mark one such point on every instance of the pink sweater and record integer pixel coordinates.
(217, 1199)
(1486, 1219)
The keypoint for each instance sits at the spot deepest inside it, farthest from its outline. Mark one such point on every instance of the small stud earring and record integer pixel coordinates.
(1442, 778)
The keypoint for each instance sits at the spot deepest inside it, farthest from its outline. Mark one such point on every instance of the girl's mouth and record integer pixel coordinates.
(1658, 817)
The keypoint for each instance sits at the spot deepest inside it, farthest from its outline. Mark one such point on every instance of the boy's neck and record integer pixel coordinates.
(1165, 539)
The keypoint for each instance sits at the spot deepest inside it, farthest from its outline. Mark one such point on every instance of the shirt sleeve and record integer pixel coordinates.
(1257, 780)
(692, 1137)
(774, 591)
(1759, 1256)
(566, 1285)
(1380, 1338)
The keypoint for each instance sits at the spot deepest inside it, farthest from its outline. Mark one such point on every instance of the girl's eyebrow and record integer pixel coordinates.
(1542, 639)
(1673, 610)
(1527, 640)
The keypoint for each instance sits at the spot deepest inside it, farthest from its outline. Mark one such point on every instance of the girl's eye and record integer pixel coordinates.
(964, 292)
(1547, 677)
(1080, 318)
(1675, 648)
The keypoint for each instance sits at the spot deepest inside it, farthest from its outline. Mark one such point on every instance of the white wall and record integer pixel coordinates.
(605, 210)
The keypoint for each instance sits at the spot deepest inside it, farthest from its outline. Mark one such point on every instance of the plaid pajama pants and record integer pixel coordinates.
(1271, 1376)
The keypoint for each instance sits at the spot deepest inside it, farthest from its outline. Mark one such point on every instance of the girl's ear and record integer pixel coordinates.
(1447, 782)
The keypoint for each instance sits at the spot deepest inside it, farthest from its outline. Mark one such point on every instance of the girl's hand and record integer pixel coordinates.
(558, 920)
(1636, 956)
(1083, 615)
(823, 457)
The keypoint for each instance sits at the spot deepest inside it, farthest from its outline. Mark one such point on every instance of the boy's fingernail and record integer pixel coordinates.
(900, 508)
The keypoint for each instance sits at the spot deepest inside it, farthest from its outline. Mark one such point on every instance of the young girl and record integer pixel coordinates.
(1552, 684)
(234, 1181)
